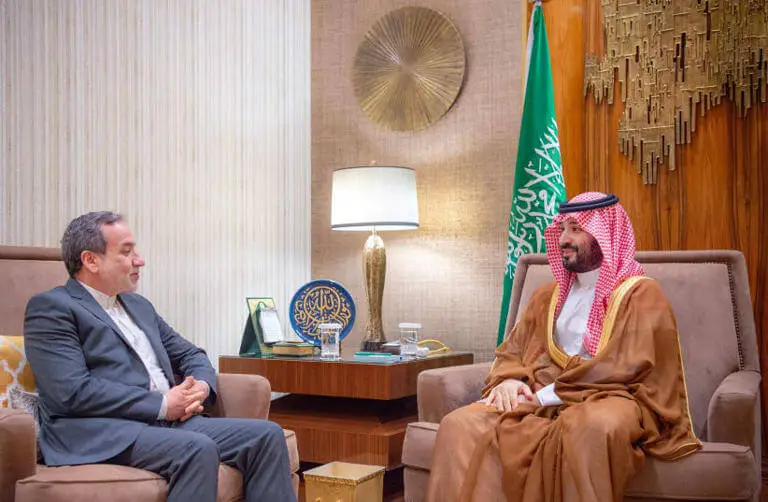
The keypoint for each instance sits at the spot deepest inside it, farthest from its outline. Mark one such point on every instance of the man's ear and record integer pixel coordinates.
(90, 261)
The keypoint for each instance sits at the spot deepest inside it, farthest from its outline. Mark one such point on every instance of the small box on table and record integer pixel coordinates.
(344, 482)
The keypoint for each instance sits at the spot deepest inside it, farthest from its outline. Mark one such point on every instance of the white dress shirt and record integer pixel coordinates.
(138, 341)
(571, 325)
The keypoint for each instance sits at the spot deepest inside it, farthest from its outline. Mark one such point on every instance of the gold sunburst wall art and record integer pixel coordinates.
(409, 69)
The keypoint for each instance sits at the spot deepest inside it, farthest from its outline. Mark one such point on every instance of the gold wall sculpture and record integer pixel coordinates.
(675, 60)
(409, 69)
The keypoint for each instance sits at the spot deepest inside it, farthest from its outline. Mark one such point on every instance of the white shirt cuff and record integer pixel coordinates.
(163, 409)
(547, 396)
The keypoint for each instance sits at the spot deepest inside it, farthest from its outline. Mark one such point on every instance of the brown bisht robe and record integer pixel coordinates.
(628, 401)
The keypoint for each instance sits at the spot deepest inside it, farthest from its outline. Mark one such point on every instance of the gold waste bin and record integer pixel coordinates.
(344, 482)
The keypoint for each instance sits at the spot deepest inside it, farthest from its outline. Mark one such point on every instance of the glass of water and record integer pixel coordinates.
(329, 341)
(409, 338)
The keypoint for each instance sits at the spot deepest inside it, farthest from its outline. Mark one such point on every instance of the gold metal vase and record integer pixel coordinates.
(374, 271)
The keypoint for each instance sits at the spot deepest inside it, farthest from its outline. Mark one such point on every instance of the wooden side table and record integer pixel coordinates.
(344, 410)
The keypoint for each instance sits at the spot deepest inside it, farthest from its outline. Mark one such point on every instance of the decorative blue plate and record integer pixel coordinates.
(318, 302)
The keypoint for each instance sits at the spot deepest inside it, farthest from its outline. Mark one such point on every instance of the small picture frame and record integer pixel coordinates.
(252, 344)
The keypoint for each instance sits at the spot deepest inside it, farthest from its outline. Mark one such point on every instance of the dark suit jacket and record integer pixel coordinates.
(94, 389)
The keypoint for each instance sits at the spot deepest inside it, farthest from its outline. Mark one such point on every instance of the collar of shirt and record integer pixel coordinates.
(588, 279)
(107, 302)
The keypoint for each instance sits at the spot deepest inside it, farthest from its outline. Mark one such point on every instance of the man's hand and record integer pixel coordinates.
(505, 396)
(186, 399)
(196, 407)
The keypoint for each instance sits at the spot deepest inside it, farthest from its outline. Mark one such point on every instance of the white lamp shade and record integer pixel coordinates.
(380, 198)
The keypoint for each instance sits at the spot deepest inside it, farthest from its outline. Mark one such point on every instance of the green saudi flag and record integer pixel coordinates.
(539, 187)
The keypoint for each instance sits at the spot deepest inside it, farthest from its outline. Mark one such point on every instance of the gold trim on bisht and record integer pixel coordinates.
(556, 353)
(613, 309)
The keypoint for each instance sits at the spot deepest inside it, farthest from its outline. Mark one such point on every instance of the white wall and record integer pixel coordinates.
(191, 118)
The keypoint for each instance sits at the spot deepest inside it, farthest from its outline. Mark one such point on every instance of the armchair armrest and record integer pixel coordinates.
(18, 451)
(442, 390)
(242, 396)
(733, 415)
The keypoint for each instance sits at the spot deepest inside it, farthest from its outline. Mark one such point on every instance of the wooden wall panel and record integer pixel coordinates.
(707, 176)
(669, 213)
(618, 175)
(717, 196)
(567, 35)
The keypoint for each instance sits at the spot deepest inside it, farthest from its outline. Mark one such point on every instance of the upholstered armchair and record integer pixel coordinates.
(22, 480)
(25, 272)
(709, 294)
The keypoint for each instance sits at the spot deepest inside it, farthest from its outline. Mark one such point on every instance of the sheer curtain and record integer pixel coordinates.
(189, 117)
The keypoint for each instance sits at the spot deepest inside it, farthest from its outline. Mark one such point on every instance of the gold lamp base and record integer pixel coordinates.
(374, 270)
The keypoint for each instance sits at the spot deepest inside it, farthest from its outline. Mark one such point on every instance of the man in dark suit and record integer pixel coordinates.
(104, 364)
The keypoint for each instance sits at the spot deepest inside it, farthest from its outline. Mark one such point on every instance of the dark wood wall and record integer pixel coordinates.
(715, 199)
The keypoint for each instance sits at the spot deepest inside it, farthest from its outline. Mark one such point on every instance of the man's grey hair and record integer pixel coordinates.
(84, 234)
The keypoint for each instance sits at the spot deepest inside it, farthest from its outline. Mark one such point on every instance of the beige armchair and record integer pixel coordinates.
(709, 293)
(27, 271)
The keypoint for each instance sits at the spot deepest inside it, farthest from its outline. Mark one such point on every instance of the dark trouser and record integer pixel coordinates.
(187, 454)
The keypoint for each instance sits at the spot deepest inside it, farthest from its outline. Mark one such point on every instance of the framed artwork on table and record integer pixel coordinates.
(262, 328)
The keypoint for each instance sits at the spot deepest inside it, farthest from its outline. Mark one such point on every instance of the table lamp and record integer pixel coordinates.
(374, 199)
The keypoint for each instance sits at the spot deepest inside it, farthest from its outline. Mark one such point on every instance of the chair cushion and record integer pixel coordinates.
(230, 484)
(96, 483)
(20, 399)
(719, 471)
(418, 445)
(14, 369)
(415, 483)
(709, 341)
(293, 449)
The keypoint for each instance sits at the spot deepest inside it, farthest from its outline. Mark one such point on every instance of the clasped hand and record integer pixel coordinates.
(508, 394)
(186, 399)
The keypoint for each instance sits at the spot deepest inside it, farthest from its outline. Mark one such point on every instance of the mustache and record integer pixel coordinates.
(568, 246)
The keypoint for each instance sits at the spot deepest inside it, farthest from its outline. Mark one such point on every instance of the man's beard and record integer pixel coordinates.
(585, 261)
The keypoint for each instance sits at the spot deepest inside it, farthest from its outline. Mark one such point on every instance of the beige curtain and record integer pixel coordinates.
(191, 118)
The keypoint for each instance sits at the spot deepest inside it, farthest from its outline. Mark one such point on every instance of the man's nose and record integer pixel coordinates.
(138, 261)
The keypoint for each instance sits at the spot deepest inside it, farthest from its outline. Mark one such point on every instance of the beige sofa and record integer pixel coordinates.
(27, 271)
(709, 293)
